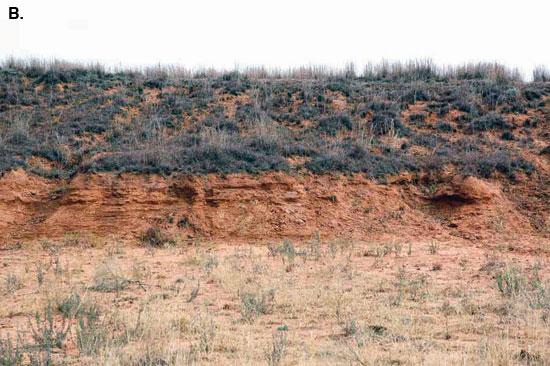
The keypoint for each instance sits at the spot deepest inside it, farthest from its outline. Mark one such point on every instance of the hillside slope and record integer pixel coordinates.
(242, 157)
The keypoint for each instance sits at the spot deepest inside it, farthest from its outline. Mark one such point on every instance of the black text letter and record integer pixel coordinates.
(14, 12)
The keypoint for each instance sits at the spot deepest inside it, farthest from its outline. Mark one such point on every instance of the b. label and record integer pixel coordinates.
(14, 13)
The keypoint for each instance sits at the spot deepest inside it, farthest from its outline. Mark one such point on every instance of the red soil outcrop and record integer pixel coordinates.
(243, 208)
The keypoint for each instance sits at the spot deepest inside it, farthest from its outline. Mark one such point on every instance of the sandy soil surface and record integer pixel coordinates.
(394, 302)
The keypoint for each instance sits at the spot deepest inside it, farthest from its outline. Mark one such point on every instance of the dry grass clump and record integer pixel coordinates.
(156, 237)
(541, 74)
(414, 69)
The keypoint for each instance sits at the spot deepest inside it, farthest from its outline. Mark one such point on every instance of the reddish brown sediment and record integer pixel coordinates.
(252, 208)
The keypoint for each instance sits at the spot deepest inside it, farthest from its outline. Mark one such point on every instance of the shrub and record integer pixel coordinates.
(489, 122)
(509, 283)
(441, 109)
(12, 284)
(251, 154)
(333, 124)
(254, 304)
(352, 157)
(287, 251)
(484, 165)
(386, 121)
(471, 108)
(532, 94)
(48, 335)
(108, 279)
(443, 126)
(276, 351)
(91, 336)
(70, 305)
(417, 117)
(53, 77)
(508, 136)
(10, 354)
(416, 93)
(155, 237)
(427, 140)
(351, 328)
(221, 124)
(51, 152)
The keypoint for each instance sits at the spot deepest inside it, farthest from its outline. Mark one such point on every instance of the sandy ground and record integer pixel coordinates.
(314, 303)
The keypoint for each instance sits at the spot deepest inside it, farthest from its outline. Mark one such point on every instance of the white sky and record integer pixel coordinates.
(279, 33)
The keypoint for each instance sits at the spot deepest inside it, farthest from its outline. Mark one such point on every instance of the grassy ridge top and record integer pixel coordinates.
(57, 119)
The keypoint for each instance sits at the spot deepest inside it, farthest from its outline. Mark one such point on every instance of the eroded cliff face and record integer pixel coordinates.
(245, 208)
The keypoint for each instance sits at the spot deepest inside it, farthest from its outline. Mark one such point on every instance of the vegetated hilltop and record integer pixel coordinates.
(481, 121)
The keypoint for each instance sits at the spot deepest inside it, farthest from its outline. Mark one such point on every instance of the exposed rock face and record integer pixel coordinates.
(241, 208)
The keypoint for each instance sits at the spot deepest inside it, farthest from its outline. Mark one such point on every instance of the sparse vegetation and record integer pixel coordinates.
(12, 284)
(341, 308)
(276, 352)
(254, 304)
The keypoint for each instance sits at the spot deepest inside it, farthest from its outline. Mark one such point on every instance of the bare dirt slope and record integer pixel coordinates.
(241, 208)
